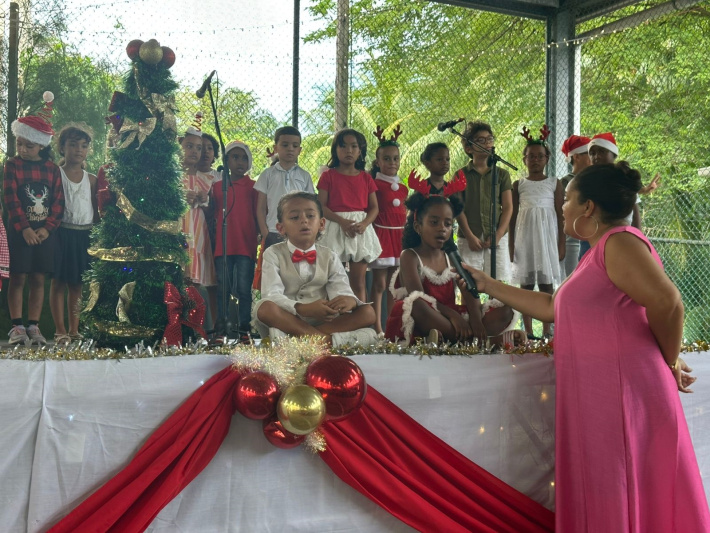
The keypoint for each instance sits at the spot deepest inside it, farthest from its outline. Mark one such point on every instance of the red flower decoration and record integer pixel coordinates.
(188, 310)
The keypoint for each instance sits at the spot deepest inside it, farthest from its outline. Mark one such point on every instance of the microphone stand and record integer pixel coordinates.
(226, 183)
(493, 160)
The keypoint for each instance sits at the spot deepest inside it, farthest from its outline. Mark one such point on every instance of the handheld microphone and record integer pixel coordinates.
(443, 126)
(452, 251)
(200, 93)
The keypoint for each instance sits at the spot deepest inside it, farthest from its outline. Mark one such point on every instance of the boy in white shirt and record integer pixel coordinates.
(277, 180)
(305, 290)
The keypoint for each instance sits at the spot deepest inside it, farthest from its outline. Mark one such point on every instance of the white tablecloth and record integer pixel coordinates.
(67, 427)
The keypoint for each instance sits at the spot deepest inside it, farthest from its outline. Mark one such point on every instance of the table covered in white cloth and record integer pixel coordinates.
(67, 427)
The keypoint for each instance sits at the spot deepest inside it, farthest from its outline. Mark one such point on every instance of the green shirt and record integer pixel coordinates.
(477, 199)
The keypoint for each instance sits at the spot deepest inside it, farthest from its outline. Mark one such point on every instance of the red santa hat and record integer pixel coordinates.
(36, 128)
(605, 140)
(574, 145)
(239, 144)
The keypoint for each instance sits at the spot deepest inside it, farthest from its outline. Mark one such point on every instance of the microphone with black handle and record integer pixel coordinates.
(452, 251)
(200, 93)
(443, 126)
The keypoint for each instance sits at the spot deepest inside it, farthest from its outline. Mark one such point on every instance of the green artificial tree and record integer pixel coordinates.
(138, 245)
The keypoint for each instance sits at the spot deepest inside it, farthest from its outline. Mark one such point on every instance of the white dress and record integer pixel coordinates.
(536, 258)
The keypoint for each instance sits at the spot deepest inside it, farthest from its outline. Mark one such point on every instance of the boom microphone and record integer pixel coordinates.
(200, 93)
(452, 251)
(443, 126)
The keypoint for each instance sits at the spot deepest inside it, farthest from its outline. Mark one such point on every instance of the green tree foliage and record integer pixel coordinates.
(148, 174)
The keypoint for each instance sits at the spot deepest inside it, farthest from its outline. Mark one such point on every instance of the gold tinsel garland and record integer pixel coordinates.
(86, 350)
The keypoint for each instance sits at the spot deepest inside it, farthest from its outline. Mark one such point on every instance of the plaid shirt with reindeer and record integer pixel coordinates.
(33, 194)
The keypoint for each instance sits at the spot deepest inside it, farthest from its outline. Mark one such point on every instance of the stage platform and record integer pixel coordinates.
(67, 427)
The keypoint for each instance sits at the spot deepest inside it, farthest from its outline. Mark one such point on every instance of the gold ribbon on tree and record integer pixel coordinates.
(139, 130)
(163, 107)
(94, 288)
(127, 254)
(144, 221)
(125, 298)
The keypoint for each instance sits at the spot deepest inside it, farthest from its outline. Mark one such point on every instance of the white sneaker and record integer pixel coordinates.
(18, 334)
(35, 334)
(362, 336)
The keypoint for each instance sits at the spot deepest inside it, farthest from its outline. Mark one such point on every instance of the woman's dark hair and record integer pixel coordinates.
(339, 140)
(292, 196)
(612, 187)
(418, 206)
(215, 144)
(430, 150)
(375, 169)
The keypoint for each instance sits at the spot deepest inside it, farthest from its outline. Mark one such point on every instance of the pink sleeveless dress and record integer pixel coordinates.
(624, 458)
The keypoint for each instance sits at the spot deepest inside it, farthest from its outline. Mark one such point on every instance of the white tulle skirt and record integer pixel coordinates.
(365, 247)
(536, 259)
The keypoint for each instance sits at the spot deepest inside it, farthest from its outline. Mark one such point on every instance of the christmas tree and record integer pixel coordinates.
(138, 246)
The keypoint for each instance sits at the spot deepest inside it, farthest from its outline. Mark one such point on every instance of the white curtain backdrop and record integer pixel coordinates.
(68, 427)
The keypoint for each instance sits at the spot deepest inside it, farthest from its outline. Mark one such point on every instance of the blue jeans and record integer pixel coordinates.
(240, 276)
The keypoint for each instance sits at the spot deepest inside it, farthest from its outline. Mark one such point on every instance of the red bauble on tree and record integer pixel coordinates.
(341, 383)
(168, 57)
(133, 49)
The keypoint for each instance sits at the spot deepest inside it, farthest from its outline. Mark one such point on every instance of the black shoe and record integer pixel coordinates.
(245, 338)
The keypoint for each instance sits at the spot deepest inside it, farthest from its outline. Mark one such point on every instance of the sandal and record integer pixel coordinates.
(62, 338)
(434, 337)
(77, 337)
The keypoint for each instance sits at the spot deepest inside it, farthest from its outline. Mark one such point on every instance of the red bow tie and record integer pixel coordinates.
(299, 256)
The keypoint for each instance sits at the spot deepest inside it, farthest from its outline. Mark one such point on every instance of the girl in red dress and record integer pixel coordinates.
(389, 224)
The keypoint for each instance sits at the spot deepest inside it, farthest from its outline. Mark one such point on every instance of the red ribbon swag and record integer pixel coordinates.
(188, 310)
(379, 450)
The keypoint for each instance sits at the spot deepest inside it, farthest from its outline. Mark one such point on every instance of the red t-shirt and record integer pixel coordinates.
(241, 217)
(347, 193)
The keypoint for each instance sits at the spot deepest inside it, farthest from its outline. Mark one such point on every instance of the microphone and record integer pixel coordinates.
(452, 251)
(443, 126)
(200, 93)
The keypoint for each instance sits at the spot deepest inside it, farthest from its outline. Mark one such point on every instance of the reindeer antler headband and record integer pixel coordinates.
(544, 134)
(384, 141)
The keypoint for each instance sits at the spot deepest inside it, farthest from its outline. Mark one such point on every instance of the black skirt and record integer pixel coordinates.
(26, 259)
(71, 258)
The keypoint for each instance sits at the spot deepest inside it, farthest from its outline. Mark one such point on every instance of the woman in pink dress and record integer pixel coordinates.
(624, 458)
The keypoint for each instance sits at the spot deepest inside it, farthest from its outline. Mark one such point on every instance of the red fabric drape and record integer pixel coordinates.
(380, 451)
(394, 461)
(172, 457)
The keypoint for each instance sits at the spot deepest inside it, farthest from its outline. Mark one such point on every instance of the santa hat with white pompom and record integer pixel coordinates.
(37, 128)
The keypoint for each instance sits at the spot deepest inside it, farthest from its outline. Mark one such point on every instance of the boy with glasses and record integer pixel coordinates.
(474, 221)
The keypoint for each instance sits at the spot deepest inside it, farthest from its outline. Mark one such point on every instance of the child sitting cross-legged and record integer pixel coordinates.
(305, 290)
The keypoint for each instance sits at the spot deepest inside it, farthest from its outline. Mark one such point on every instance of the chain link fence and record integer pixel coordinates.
(640, 71)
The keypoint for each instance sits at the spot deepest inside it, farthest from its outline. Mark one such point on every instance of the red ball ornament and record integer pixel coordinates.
(133, 48)
(168, 57)
(341, 383)
(256, 395)
(278, 436)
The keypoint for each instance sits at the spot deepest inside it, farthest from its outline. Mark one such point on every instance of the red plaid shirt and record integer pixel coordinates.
(34, 196)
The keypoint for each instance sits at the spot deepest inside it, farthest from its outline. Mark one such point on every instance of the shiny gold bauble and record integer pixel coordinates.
(151, 52)
(301, 409)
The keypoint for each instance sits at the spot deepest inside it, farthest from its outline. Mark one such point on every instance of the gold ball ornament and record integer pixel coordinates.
(301, 409)
(151, 52)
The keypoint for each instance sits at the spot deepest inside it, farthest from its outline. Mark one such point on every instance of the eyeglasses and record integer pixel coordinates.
(485, 140)
(538, 157)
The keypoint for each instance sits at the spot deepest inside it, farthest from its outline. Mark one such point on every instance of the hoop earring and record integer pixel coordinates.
(574, 227)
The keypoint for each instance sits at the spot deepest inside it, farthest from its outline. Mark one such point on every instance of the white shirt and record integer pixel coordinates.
(78, 209)
(275, 182)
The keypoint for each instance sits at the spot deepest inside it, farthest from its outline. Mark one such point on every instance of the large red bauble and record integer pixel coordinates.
(278, 436)
(168, 57)
(256, 395)
(133, 48)
(341, 383)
